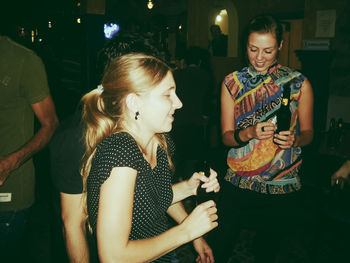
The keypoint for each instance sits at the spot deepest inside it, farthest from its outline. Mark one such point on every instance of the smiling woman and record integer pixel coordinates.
(263, 165)
(127, 168)
(262, 51)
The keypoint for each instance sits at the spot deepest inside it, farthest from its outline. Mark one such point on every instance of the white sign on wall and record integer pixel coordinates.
(325, 24)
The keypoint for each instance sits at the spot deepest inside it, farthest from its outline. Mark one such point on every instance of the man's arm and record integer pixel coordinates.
(74, 231)
(46, 114)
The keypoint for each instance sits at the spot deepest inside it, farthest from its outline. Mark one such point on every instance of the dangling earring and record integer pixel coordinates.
(137, 115)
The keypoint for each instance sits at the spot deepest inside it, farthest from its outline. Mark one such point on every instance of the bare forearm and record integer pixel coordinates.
(74, 230)
(76, 244)
(16, 159)
(181, 191)
(147, 250)
(38, 142)
(228, 139)
(177, 212)
(303, 139)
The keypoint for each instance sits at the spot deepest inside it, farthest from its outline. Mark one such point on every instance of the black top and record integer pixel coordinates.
(153, 192)
(193, 87)
(66, 152)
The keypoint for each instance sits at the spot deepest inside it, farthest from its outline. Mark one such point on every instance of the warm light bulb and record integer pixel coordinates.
(218, 18)
(150, 4)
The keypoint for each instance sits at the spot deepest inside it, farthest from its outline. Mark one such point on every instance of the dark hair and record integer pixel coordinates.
(193, 55)
(265, 24)
(124, 43)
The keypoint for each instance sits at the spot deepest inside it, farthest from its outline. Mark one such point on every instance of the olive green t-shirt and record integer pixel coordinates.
(23, 82)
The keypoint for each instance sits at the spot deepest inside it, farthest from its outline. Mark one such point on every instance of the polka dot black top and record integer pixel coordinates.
(153, 193)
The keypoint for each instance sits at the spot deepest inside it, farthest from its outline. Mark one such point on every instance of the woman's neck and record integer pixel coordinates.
(145, 140)
(148, 146)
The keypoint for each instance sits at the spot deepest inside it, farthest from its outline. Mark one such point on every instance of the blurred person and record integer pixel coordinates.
(127, 167)
(194, 87)
(24, 94)
(125, 42)
(70, 239)
(218, 44)
(263, 192)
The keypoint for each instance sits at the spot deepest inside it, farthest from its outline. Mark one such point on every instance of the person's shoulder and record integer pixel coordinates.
(25, 56)
(21, 49)
(229, 77)
(283, 74)
(284, 70)
(71, 126)
(290, 73)
(235, 75)
(120, 141)
(119, 150)
(68, 137)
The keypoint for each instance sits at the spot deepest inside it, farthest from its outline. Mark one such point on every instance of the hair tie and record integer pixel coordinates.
(100, 88)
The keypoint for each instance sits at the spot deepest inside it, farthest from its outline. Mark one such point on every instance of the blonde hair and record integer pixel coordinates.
(104, 113)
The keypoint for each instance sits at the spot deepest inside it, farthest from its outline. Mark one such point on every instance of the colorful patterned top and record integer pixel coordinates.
(261, 165)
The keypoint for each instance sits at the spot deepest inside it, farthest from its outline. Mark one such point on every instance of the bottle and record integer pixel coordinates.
(202, 195)
(283, 114)
(337, 195)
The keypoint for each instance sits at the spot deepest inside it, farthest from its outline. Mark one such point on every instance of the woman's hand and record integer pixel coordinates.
(210, 183)
(205, 254)
(285, 139)
(201, 220)
(262, 130)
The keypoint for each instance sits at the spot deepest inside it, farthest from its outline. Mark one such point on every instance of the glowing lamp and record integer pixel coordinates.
(218, 18)
(110, 30)
(150, 4)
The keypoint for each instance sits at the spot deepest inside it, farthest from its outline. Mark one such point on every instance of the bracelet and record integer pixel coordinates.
(238, 139)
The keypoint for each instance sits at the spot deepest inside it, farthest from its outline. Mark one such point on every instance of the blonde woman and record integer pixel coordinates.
(127, 167)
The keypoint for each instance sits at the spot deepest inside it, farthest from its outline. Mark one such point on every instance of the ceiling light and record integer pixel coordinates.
(218, 18)
(150, 4)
